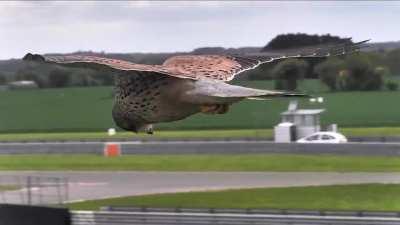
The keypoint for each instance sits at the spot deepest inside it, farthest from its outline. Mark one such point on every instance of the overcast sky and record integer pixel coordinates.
(149, 26)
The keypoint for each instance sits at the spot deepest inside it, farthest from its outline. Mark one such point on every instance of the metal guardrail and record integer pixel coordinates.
(253, 211)
(164, 218)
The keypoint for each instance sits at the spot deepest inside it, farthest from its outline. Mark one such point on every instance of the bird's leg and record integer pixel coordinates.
(208, 109)
(222, 109)
(214, 109)
(149, 129)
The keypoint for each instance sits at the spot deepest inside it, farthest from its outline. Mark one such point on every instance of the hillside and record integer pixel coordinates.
(383, 46)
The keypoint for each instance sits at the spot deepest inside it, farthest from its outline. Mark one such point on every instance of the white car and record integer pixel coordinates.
(323, 137)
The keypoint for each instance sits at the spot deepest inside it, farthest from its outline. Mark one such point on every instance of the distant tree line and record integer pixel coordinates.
(51, 76)
(362, 71)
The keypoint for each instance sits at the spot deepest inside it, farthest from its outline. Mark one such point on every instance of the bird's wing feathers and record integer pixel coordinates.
(316, 51)
(198, 67)
(216, 67)
(211, 92)
(94, 62)
(188, 66)
(226, 67)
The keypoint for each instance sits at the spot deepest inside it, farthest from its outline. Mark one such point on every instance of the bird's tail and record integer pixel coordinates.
(207, 92)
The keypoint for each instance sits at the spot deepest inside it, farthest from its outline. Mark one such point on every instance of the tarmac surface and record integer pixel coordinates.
(96, 185)
(203, 147)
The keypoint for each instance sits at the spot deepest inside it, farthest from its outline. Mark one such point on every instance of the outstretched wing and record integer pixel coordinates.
(226, 67)
(196, 67)
(94, 62)
(100, 63)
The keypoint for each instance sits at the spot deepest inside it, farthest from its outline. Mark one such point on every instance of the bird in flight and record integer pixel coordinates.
(183, 85)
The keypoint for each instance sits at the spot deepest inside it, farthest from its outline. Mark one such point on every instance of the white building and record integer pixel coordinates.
(297, 123)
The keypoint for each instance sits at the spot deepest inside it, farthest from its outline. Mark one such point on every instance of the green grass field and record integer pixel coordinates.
(185, 134)
(380, 197)
(371, 131)
(89, 109)
(238, 162)
(9, 187)
(169, 134)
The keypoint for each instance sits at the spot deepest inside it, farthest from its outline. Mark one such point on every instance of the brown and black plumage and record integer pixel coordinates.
(183, 85)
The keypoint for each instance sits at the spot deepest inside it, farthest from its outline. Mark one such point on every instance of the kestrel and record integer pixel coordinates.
(183, 85)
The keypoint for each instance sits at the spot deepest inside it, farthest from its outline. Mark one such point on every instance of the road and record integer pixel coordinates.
(203, 147)
(95, 185)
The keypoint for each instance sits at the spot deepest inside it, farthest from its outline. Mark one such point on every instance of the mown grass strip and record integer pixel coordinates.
(239, 162)
(336, 197)
(187, 134)
(240, 133)
(9, 187)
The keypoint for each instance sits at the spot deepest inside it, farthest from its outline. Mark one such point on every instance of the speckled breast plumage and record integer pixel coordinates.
(148, 98)
(138, 94)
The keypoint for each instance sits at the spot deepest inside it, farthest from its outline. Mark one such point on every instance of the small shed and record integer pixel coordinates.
(22, 84)
(306, 121)
(285, 132)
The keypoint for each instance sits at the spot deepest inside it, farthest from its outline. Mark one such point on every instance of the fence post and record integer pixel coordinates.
(39, 185)
(66, 189)
(28, 186)
(59, 195)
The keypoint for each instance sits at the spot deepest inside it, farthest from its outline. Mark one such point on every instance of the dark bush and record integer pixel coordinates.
(392, 85)
(362, 76)
(59, 78)
(328, 72)
(392, 61)
(3, 79)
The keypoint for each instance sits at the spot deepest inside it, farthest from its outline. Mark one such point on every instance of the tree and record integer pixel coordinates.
(392, 85)
(262, 72)
(375, 80)
(59, 78)
(361, 75)
(392, 61)
(299, 40)
(286, 41)
(103, 78)
(353, 73)
(3, 79)
(288, 72)
(328, 72)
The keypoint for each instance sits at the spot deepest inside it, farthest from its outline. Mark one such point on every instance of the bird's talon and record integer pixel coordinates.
(214, 109)
(208, 109)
